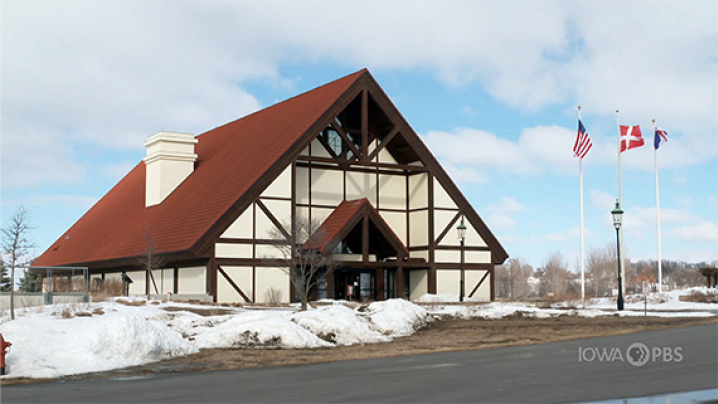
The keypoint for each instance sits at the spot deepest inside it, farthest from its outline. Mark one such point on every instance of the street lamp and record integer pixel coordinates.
(461, 231)
(617, 214)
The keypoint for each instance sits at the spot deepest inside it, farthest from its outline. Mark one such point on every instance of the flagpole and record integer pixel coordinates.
(658, 211)
(620, 201)
(580, 182)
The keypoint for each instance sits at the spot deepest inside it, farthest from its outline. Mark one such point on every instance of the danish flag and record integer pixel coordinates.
(630, 137)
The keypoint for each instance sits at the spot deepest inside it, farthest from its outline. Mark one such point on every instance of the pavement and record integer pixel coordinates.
(624, 366)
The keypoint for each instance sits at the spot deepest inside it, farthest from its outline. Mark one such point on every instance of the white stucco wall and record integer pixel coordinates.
(418, 283)
(242, 277)
(361, 185)
(272, 278)
(448, 281)
(327, 187)
(419, 228)
(193, 280)
(226, 250)
(392, 192)
(418, 191)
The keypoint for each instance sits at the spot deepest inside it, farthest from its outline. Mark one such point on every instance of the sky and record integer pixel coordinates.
(492, 87)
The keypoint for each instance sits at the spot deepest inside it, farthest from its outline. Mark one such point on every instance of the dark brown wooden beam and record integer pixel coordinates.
(364, 125)
(383, 144)
(346, 139)
(234, 285)
(479, 284)
(373, 165)
(273, 219)
(448, 228)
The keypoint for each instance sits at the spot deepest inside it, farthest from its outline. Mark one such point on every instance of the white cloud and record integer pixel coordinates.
(703, 231)
(501, 221)
(111, 73)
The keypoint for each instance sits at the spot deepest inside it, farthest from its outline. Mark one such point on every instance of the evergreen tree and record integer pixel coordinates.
(31, 282)
(4, 278)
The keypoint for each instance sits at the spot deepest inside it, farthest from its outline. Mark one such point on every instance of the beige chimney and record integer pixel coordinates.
(170, 159)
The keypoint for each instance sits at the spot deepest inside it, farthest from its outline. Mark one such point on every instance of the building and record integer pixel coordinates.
(340, 154)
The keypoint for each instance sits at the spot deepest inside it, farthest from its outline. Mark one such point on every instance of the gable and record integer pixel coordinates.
(239, 161)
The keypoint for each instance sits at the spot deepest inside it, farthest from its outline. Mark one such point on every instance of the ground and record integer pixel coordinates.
(445, 334)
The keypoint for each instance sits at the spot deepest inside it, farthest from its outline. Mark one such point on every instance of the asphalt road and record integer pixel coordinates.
(570, 371)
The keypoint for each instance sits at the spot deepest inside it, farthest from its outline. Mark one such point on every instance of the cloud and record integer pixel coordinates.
(501, 221)
(108, 74)
(703, 231)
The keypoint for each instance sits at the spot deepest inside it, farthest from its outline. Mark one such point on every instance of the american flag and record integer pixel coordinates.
(660, 137)
(583, 142)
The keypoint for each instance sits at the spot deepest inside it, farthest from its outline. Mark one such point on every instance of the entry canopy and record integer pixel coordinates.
(345, 225)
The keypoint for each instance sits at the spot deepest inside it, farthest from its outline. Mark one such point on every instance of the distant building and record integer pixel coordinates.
(341, 154)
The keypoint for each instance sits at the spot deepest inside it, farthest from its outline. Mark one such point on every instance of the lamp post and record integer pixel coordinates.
(461, 231)
(617, 214)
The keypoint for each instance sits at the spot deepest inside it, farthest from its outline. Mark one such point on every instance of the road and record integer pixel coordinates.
(567, 371)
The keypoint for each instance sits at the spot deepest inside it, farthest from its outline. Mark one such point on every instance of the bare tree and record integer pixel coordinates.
(16, 247)
(557, 280)
(299, 255)
(602, 269)
(150, 262)
(512, 279)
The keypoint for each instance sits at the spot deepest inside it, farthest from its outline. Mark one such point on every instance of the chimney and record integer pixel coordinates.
(170, 159)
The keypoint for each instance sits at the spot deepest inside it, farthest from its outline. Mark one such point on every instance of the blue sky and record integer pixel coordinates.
(491, 87)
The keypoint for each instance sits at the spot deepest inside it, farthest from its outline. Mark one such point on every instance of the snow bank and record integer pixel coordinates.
(397, 317)
(47, 346)
(256, 329)
(339, 325)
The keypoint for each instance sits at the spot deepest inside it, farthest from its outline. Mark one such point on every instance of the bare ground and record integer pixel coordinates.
(448, 334)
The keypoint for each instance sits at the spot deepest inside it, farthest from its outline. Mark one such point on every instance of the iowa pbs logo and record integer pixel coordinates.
(637, 354)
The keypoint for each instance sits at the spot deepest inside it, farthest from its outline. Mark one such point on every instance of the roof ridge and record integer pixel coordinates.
(324, 86)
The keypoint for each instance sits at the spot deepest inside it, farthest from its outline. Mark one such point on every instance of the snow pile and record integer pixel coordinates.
(339, 325)
(256, 329)
(443, 298)
(45, 346)
(668, 304)
(70, 339)
(397, 317)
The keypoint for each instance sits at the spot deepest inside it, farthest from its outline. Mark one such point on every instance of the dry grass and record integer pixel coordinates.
(105, 290)
(134, 303)
(701, 297)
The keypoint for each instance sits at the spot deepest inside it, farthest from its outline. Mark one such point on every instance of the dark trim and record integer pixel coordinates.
(447, 228)
(467, 265)
(234, 285)
(368, 164)
(382, 144)
(274, 198)
(364, 125)
(272, 218)
(479, 284)
(346, 139)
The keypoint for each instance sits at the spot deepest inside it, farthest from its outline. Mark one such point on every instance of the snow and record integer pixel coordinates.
(55, 341)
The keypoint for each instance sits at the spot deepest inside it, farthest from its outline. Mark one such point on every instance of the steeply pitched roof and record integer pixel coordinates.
(344, 218)
(236, 163)
(232, 158)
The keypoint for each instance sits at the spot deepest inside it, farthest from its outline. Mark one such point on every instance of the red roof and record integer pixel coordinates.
(232, 158)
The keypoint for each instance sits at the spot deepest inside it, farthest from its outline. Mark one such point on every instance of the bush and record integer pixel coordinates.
(701, 297)
(273, 296)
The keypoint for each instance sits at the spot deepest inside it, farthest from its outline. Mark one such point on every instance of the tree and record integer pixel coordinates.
(602, 269)
(150, 262)
(512, 279)
(299, 255)
(16, 247)
(4, 278)
(556, 279)
(30, 282)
